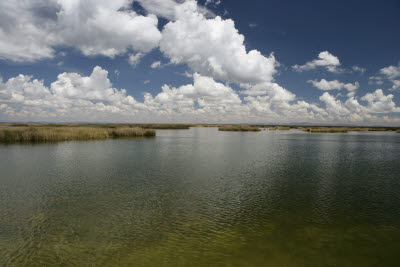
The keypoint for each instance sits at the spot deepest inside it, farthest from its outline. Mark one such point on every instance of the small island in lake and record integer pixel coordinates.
(54, 132)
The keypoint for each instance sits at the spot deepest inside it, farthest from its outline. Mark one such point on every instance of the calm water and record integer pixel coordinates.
(200, 197)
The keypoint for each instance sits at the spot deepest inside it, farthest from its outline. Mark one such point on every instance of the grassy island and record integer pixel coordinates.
(344, 129)
(53, 132)
(325, 129)
(310, 129)
(63, 133)
(165, 126)
(280, 128)
(101, 125)
(239, 128)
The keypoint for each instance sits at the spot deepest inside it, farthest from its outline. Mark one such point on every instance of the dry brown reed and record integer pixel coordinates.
(101, 125)
(237, 128)
(325, 129)
(281, 128)
(54, 134)
(166, 126)
(343, 129)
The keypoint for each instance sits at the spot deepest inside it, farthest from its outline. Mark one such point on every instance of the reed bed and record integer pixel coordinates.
(166, 126)
(207, 125)
(280, 128)
(344, 129)
(101, 125)
(55, 134)
(224, 127)
(380, 129)
(357, 129)
(325, 129)
(239, 128)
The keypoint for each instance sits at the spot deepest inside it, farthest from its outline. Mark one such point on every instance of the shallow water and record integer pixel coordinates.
(200, 197)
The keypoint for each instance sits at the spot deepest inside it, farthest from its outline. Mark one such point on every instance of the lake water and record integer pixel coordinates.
(200, 197)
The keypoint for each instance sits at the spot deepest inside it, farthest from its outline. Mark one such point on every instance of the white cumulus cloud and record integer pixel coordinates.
(378, 102)
(325, 85)
(210, 46)
(29, 30)
(134, 59)
(213, 47)
(325, 59)
(332, 105)
(75, 97)
(392, 73)
(155, 64)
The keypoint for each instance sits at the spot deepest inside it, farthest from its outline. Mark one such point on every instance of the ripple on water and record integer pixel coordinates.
(203, 197)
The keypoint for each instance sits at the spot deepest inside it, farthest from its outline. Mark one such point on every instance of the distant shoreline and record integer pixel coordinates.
(54, 132)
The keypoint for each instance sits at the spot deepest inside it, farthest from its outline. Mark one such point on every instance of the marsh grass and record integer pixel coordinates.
(54, 134)
(381, 129)
(325, 130)
(101, 125)
(280, 128)
(222, 127)
(344, 129)
(166, 126)
(238, 128)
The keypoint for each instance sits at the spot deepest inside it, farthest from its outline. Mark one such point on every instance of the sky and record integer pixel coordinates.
(205, 61)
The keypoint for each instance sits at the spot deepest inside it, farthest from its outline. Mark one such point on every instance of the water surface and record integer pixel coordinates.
(200, 197)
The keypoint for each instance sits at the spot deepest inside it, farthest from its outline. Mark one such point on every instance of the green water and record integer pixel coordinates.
(200, 197)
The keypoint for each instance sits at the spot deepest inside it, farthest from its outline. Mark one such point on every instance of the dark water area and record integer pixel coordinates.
(200, 197)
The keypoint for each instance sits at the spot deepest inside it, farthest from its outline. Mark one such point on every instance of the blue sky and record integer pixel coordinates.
(356, 82)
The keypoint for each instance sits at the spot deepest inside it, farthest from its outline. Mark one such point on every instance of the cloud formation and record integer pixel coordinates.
(209, 45)
(213, 47)
(325, 85)
(359, 69)
(73, 97)
(378, 102)
(392, 73)
(155, 64)
(167, 8)
(29, 30)
(212, 2)
(134, 59)
(325, 60)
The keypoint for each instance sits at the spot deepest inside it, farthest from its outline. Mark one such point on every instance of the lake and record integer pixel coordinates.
(201, 197)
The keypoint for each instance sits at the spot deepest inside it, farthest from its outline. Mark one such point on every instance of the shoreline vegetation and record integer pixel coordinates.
(280, 128)
(101, 125)
(345, 129)
(239, 128)
(54, 132)
(309, 129)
